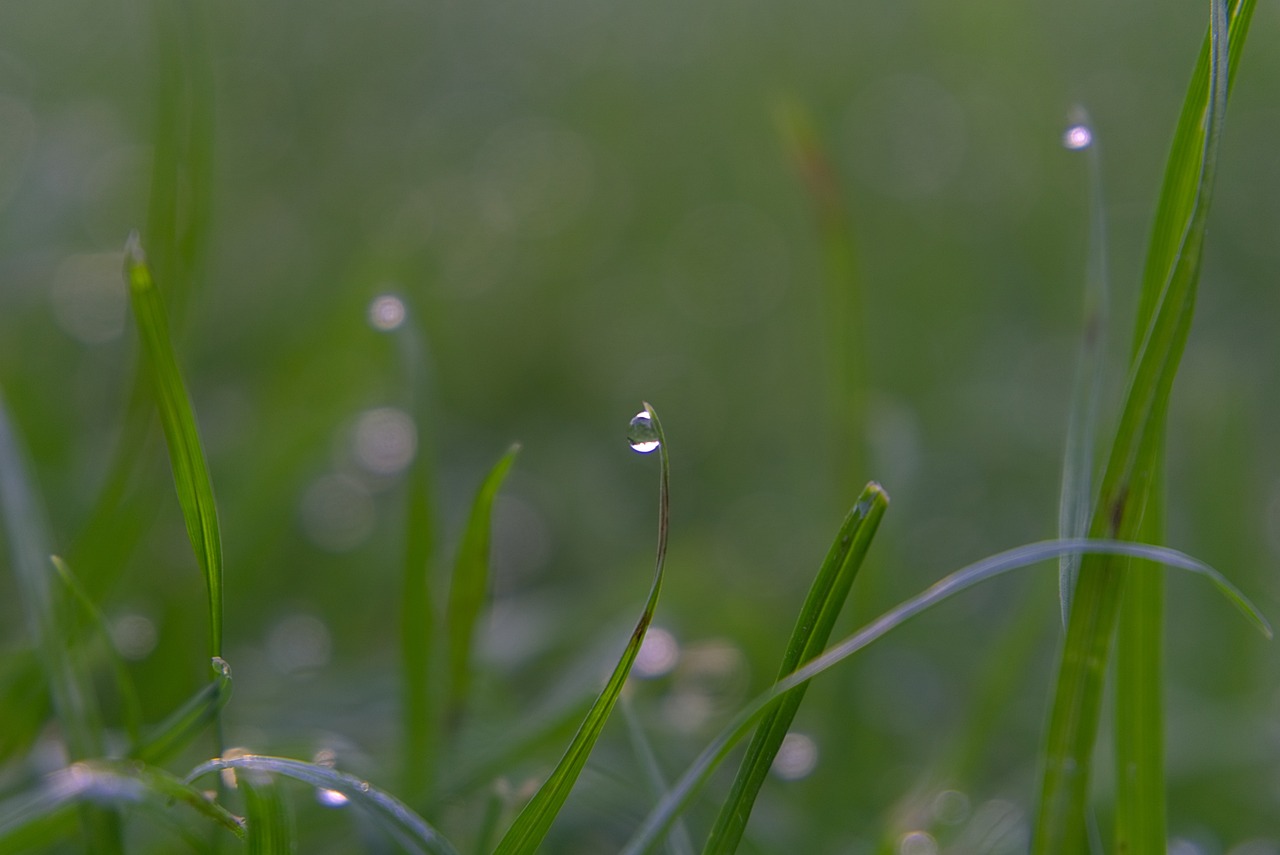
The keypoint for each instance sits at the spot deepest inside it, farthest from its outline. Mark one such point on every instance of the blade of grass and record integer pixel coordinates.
(679, 796)
(813, 628)
(531, 825)
(1130, 473)
(187, 722)
(469, 589)
(186, 453)
(678, 841)
(392, 816)
(269, 825)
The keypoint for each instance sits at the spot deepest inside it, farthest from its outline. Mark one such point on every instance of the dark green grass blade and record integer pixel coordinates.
(106, 782)
(1082, 422)
(530, 827)
(269, 824)
(186, 454)
(403, 825)
(469, 589)
(813, 628)
(678, 798)
(1130, 473)
(188, 721)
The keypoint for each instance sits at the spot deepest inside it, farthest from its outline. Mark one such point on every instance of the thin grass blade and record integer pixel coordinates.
(186, 453)
(678, 797)
(531, 825)
(392, 816)
(678, 841)
(269, 824)
(813, 628)
(188, 721)
(469, 590)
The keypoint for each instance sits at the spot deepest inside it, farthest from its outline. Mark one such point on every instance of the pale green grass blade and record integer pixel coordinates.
(395, 818)
(188, 721)
(813, 628)
(1082, 421)
(1129, 477)
(104, 782)
(186, 453)
(679, 842)
(530, 827)
(469, 588)
(269, 824)
(678, 798)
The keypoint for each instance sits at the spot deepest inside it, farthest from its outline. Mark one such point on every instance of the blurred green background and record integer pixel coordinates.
(585, 205)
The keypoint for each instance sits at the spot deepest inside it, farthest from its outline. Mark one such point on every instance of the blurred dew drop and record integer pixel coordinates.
(331, 798)
(641, 433)
(797, 757)
(299, 643)
(385, 441)
(1077, 137)
(88, 297)
(658, 654)
(134, 636)
(951, 807)
(917, 843)
(1181, 846)
(337, 513)
(386, 312)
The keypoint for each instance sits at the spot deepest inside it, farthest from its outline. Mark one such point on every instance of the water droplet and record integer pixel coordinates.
(331, 798)
(642, 435)
(386, 313)
(1077, 137)
(364, 786)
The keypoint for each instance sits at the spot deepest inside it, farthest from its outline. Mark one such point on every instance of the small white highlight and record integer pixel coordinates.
(797, 757)
(385, 441)
(386, 313)
(1077, 137)
(658, 654)
(331, 798)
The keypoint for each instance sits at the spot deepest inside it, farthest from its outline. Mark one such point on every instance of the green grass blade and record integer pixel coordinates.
(1082, 422)
(269, 825)
(393, 816)
(188, 721)
(186, 454)
(106, 782)
(813, 628)
(679, 796)
(1131, 469)
(469, 589)
(531, 825)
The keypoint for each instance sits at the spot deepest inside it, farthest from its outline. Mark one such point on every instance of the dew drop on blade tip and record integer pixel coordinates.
(641, 433)
(1077, 137)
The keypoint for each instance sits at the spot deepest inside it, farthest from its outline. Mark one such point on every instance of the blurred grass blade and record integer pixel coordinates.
(188, 721)
(269, 825)
(1082, 421)
(678, 841)
(108, 782)
(1134, 460)
(392, 816)
(530, 827)
(186, 454)
(813, 628)
(469, 589)
(677, 799)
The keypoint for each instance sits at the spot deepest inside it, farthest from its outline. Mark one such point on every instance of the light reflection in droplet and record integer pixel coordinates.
(1077, 137)
(134, 636)
(331, 798)
(641, 433)
(917, 843)
(385, 441)
(797, 757)
(658, 654)
(386, 312)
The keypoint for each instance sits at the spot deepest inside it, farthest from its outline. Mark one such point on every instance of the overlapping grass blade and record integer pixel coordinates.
(186, 453)
(269, 824)
(106, 782)
(188, 721)
(530, 827)
(392, 816)
(469, 589)
(813, 628)
(678, 798)
(1166, 308)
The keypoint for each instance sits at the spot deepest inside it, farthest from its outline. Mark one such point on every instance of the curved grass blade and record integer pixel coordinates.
(393, 816)
(1134, 461)
(107, 782)
(269, 825)
(678, 798)
(188, 721)
(530, 827)
(813, 628)
(186, 454)
(469, 589)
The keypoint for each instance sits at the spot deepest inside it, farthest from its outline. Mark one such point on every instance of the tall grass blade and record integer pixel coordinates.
(186, 453)
(269, 825)
(813, 628)
(1132, 466)
(469, 589)
(403, 825)
(679, 796)
(531, 825)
